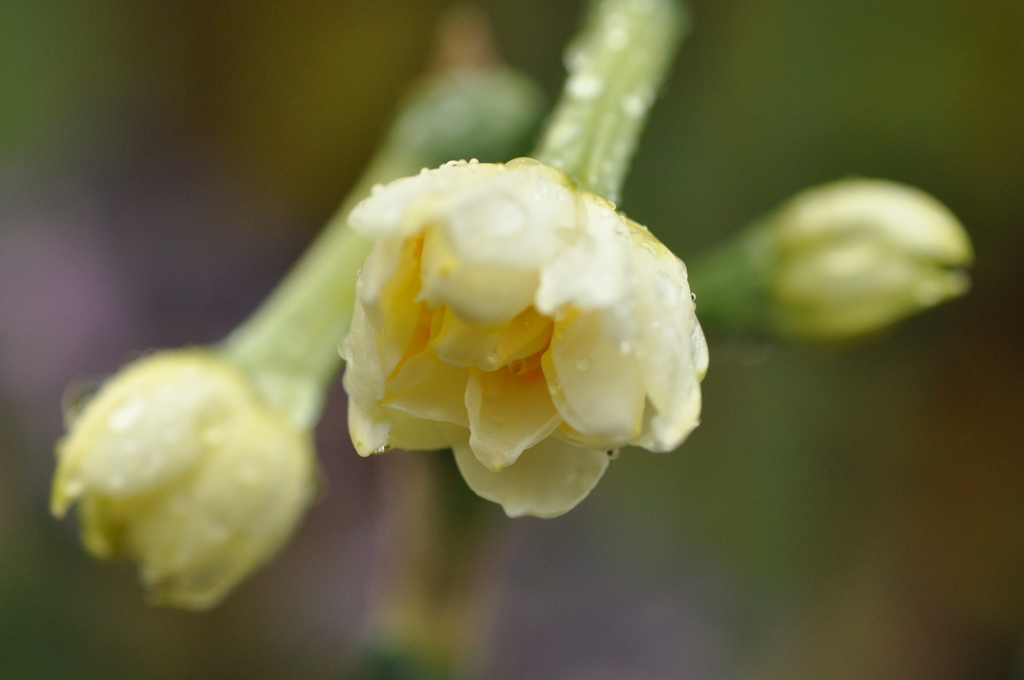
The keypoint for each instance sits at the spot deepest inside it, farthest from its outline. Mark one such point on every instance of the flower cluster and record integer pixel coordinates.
(523, 323)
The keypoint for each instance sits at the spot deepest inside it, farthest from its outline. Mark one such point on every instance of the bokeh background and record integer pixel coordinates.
(851, 512)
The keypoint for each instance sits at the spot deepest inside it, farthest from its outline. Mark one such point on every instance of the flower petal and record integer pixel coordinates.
(447, 279)
(546, 481)
(201, 537)
(671, 349)
(507, 414)
(426, 388)
(458, 343)
(490, 347)
(511, 219)
(596, 387)
(592, 271)
(375, 429)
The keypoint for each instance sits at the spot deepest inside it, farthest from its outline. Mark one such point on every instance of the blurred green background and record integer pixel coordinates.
(843, 512)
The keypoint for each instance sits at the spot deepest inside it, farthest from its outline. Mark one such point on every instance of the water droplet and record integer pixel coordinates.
(585, 86)
(74, 488)
(474, 161)
(424, 171)
(693, 297)
(382, 449)
(583, 363)
(617, 38)
(517, 366)
(613, 454)
(634, 106)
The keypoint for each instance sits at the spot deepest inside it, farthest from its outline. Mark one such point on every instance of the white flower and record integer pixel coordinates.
(523, 323)
(178, 465)
(857, 255)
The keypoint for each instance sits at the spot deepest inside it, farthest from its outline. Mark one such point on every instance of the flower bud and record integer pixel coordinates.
(523, 323)
(857, 255)
(178, 465)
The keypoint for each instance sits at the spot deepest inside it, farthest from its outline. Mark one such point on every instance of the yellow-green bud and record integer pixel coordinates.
(835, 261)
(180, 466)
(856, 255)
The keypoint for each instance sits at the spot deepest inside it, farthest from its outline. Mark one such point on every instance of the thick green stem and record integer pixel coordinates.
(616, 65)
(289, 346)
(732, 283)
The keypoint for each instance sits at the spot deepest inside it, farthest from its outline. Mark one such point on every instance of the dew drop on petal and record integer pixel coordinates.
(74, 488)
(127, 415)
(633, 106)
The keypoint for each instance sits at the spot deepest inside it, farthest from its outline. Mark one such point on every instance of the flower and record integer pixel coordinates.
(177, 464)
(856, 255)
(523, 323)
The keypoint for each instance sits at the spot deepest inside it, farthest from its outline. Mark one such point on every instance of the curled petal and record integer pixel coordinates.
(671, 349)
(507, 414)
(426, 388)
(546, 481)
(447, 279)
(596, 387)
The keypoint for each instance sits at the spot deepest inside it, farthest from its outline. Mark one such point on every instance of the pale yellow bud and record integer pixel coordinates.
(857, 255)
(525, 324)
(178, 465)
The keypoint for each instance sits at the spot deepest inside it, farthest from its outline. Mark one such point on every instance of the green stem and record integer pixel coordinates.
(616, 65)
(289, 346)
(732, 282)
